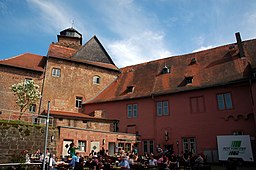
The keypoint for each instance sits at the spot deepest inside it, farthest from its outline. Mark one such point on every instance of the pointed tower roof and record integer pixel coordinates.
(93, 51)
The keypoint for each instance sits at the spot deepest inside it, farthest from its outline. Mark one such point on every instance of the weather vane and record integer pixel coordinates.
(73, 22)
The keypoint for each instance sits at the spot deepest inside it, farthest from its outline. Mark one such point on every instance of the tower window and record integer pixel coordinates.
(96, 79)
(56, 72)
(79, 102)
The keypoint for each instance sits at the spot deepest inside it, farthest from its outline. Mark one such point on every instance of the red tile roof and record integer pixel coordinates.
(217, 66)
(26, 61)
(60, 51)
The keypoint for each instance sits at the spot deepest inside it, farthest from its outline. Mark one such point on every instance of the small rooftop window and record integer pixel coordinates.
(130, 89)
(193, 61)
(165, 70)
(189, 80)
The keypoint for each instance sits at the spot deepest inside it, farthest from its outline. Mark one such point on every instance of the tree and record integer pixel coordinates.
(27, 93)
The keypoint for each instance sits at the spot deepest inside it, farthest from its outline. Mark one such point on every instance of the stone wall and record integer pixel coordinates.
(15, 138)
(8, 77)
(76, 80)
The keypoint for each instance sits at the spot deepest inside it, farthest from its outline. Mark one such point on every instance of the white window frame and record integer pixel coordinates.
(56, 72)
(79, 101)
(96, 79)
(82, 145)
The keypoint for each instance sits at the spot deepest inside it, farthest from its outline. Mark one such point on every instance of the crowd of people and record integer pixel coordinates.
(163, 160)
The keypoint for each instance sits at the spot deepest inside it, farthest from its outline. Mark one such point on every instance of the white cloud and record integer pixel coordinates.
(54, 16)
(138, 49)
(249, 23)
(202, 48)
(140, 39)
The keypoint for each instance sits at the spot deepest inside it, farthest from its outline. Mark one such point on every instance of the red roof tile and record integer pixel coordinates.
(27, 61)
(213, 67)
(60, 51)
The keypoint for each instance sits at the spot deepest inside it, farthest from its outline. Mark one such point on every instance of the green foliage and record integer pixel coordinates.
(27, 93)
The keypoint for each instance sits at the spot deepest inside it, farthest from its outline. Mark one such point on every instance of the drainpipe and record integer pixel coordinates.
(252, 99)
(42, 89)
(154, 122)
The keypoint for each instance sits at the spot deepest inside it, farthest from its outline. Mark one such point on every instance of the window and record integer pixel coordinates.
(32, 108)
(82, 145)
(79, 102)
(56, 72)
(121, 145)
(145, 146)
(193, 61)
(27, 79)
(162, 108)
(224, 101)
(189, 145)
(132, 110)
(128, 147)
(165, 70)
(197, 104)
(130, 89)
(148, 146)
(189, 80)
(96, 79)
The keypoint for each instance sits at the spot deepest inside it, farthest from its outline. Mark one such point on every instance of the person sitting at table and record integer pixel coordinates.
(152, 162)
(38, 153)
(47, 157)
(124, 164)
(53, 163)
(80, 164)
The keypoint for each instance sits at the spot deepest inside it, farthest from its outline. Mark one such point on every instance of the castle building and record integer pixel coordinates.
(181, 103)
(70, 74)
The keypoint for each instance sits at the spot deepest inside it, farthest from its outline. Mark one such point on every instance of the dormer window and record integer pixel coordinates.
(130, 89)
(96, 80)
(193, 61)
(189, 80)
(165, 70)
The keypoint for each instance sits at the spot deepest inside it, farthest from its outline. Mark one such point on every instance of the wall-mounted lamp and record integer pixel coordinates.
(103, 141)
(52, 138)
(166, 135)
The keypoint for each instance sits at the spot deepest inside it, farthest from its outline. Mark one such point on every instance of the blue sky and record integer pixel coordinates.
(132, 31)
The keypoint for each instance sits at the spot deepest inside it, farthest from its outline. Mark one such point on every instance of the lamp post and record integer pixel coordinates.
(46, 134)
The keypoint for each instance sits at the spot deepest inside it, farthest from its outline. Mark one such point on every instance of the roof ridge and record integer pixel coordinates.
(183, 55)
(13, 57)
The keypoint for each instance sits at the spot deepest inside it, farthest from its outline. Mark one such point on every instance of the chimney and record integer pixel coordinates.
(240, 45)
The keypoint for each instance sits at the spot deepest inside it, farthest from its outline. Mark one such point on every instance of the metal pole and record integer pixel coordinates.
(46, 134)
